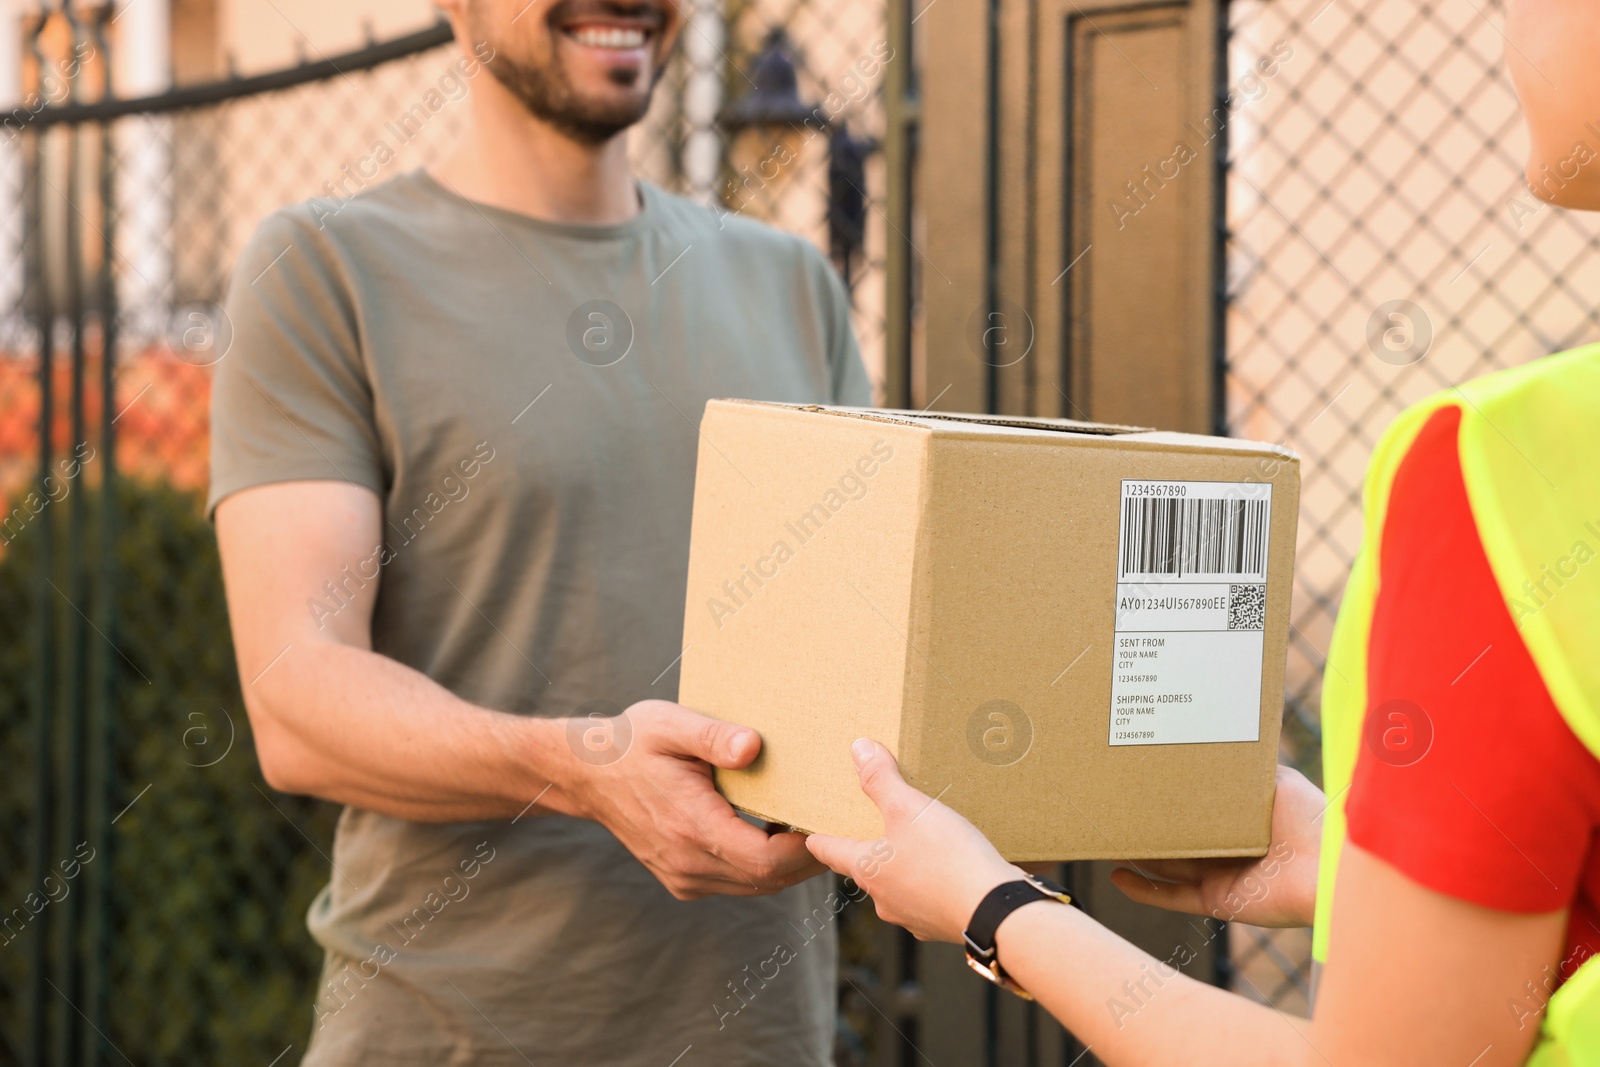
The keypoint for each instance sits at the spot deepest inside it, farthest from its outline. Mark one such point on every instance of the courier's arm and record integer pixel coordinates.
(334, 719)
(1413, 976)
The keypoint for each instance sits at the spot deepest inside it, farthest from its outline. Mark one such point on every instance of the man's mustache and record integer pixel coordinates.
(647, 16)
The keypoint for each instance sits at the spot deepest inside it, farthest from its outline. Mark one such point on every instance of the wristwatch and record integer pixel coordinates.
(1001, 901)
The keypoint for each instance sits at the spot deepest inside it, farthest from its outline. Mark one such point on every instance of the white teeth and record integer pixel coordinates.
(609, 37)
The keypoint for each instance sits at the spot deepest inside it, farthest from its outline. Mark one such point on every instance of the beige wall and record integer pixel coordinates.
(262, 35)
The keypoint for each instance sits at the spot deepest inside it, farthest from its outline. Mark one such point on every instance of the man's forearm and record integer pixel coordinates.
(358, 728)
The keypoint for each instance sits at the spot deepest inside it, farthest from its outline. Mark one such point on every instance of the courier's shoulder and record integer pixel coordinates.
(1564, 384)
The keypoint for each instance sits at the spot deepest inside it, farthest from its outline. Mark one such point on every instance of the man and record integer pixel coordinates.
(453, 460)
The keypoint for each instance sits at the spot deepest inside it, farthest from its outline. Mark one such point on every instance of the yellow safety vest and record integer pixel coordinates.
(1529, 444)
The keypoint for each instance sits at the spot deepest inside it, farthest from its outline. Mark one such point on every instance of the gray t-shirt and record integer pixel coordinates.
(525, 397)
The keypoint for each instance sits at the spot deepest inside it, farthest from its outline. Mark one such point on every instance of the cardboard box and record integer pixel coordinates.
(1072, 634)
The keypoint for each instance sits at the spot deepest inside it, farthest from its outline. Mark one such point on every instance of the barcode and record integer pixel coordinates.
(1172, 535)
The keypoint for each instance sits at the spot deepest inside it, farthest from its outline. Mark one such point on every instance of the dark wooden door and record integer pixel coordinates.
(1069, 193)
(1067, 239)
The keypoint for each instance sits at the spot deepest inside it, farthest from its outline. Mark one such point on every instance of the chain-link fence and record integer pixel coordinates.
(1382, 246)
(154, 911)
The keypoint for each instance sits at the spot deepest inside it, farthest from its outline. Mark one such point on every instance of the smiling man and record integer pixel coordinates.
(453, 459)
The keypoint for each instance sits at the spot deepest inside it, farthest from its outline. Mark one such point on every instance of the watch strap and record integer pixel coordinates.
(992, 910)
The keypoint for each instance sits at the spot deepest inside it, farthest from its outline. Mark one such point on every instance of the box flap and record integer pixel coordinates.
(930, 420)
(1022, 422)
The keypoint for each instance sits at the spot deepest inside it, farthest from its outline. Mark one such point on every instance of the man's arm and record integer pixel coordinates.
(334, 719)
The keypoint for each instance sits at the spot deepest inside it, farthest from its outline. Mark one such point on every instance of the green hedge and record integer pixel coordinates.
(207, 956)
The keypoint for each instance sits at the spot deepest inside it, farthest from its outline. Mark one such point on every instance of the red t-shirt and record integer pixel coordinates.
(1468, 780)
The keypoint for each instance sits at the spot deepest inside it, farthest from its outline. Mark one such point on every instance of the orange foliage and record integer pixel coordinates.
(162, 427)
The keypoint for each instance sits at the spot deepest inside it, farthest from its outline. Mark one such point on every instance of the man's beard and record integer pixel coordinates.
(549, 95)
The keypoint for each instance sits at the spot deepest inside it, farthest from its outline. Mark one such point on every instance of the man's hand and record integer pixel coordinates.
(650, 784)
(1279, 889)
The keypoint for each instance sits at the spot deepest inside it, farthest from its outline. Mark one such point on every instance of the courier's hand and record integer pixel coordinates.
(1279, 889)
(655, 794)
(930, 869)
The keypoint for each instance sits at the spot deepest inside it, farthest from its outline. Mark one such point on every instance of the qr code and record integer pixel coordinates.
(1247, 607)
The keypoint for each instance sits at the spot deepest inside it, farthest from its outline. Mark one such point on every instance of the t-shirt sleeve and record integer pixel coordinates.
(291, 399)
(1468, 779)
(851, 386)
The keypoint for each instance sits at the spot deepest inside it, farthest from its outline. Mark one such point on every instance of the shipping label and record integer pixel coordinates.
(1191, 604)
